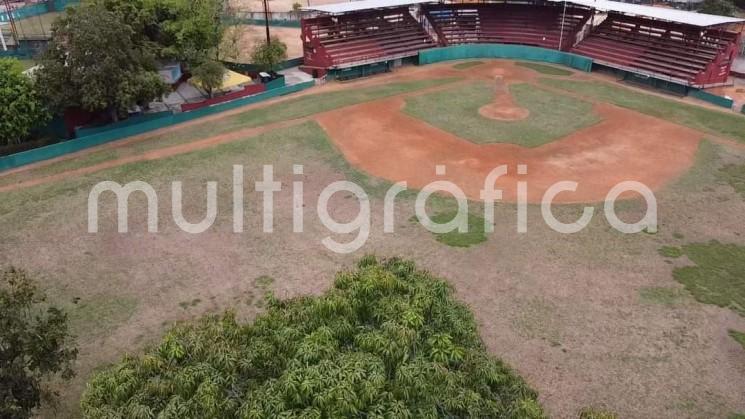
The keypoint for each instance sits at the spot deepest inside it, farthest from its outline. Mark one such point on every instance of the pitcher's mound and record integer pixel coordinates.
(503, 108)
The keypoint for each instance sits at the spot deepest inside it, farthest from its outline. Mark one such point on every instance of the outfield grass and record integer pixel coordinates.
(739, 337)
(696, 117)
(305, 142)
(734, 175)
(664, 296)
(473, 236)
(545, 69)
(552, 115)
(286, 110)
(595, 413)
(718, 276)
(466, 65)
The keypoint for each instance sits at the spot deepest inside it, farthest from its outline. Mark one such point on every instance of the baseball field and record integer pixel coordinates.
(641, 325)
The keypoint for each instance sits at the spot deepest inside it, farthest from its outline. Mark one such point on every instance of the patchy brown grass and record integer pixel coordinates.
(579, 316)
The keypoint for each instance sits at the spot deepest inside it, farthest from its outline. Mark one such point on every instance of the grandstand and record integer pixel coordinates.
(362, 38)
(685, 48)
(543, 25)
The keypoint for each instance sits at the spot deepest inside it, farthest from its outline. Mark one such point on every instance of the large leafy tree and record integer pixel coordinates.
(718, 7)
(387, 340)
(21, 107)
(99, 63)
(269, 55)
(210, 75)
(34, 345)
(185, 30)
(188, 30)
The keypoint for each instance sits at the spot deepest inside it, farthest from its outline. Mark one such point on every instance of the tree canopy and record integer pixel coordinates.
(210, 75)
(21, 108)
(183, 30)
(387, 340)
(270, 55)
(97, 62)
(34, 345)
(718, 7)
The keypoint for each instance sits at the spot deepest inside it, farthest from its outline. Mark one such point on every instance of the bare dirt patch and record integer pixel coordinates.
(251, 35)
(503, 108)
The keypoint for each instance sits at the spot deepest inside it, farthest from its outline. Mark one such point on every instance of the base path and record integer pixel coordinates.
(379, 139)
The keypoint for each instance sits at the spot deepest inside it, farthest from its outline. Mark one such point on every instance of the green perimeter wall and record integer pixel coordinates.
(71, 146)
(711, 98)
(512, 52)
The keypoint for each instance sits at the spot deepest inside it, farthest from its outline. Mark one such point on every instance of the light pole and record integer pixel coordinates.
(266, 22)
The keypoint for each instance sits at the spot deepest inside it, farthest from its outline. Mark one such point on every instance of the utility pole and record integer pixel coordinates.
(266, 21)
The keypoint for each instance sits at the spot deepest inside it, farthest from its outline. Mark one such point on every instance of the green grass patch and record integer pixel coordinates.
(718, 276)
(670, 252)
(467, 65)
(739, 337)
(734, 175)
(595, 413)
(286, 110)
(473, 236)
(99, 313)
(718, 122)
(456, 110)
(545, 69)
(664, 296)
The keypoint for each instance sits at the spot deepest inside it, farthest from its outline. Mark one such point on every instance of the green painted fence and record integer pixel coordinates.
(513, 52)
(711, 98)
(60, 149)
(37, 9)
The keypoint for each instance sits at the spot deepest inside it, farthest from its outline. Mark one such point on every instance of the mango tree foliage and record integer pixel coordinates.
(387, 341)
(21, 107)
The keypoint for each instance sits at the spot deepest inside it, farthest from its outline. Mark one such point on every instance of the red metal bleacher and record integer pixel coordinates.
(678, 52)
(542, 25)
(349, 40)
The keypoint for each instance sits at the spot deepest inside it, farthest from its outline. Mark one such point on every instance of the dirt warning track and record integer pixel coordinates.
(379, 139)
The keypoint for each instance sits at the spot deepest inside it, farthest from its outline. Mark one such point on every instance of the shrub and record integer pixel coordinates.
(21, 107)
(269, 55)
(34, 346)
(387, 340)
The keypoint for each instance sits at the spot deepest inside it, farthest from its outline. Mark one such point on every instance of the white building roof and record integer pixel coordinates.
(662, 13)
(353, 6)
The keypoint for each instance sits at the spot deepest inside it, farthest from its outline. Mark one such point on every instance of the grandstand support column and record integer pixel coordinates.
(561, 34)
(2, 40)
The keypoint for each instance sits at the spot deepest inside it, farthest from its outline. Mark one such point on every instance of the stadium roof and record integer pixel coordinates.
(353, 6)
(670, 15)
(662, 13)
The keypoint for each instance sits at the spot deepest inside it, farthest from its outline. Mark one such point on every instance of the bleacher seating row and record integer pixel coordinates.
(348, 40)
(686, 54)
(526, 24)
(673, 51)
